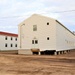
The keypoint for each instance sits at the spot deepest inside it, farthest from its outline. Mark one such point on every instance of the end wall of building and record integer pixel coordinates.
(26, 33)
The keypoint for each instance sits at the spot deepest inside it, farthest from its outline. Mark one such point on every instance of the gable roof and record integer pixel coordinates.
(8, 34)
(65, 27)
(49, 18)
(56, 21)
(35, 15)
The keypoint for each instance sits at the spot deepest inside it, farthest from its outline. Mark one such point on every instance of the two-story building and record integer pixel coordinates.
(8, 41)
(43, 35)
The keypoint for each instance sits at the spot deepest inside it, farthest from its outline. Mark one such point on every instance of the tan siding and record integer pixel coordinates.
(65, 39)
(59, 34)
(43, 31)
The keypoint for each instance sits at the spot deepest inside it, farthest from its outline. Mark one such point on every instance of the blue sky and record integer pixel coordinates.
(12, 12)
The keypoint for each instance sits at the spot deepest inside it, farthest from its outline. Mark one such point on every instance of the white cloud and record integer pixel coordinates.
(26, 8)
(3, 2)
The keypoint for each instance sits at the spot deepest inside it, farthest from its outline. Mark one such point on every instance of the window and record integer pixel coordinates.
(15, 39)
(11, 38)
(23, 24)
(6, 45)
(47, 23)
(36, 41)
(11, 45)
(47, 38)
(32, 41)
(6, 38)
(15, 45)
(34, 27)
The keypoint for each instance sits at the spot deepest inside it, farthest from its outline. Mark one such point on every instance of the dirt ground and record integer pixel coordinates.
(12, 64)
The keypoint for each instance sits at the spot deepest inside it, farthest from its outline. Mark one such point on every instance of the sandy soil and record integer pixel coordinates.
(37, 65)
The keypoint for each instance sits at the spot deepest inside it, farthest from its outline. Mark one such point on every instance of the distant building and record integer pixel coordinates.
(8, 41)
(43, 35)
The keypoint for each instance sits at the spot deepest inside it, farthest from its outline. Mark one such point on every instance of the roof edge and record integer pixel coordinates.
(8, 34)
(65, 27)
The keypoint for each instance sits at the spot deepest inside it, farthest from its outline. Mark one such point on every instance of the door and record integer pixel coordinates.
(35, 49)
(35, 43)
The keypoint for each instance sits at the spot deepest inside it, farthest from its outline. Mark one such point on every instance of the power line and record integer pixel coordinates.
(11, 16)
(26, 15)
(64, 11)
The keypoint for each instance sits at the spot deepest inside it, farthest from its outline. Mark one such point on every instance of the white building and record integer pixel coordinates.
(40, 34)
(8, 41)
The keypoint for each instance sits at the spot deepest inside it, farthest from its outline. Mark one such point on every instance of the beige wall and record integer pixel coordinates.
(43, 31)
(24, 51)
(60, 38)
(65, 39)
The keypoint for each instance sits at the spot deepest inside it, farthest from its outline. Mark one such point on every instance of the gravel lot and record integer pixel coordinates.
(13, 64)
